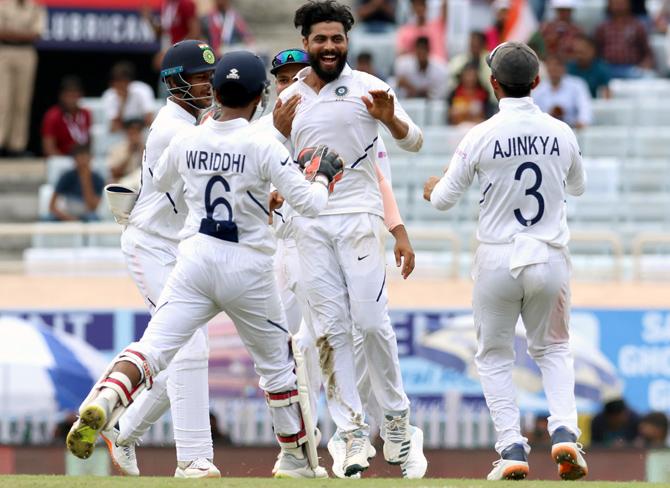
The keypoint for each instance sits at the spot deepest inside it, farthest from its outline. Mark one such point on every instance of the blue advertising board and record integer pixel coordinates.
(617, 352)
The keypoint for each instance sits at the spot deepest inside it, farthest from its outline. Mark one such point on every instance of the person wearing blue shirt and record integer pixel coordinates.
(78, 191)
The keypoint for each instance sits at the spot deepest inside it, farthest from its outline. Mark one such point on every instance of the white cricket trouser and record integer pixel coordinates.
(287, 271)
(541, 295)
(344, 278)
(150, 260)
(212, 275)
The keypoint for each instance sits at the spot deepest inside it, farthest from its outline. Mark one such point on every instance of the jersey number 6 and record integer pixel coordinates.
(225, 230)
(532, 191)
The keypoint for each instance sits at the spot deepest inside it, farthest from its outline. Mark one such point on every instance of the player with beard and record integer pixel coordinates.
(342, 251)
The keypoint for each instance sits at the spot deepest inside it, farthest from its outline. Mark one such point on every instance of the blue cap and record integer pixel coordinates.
(242, 68)
(188, 58)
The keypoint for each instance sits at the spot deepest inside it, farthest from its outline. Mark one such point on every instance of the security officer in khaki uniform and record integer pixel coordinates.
(21, 25)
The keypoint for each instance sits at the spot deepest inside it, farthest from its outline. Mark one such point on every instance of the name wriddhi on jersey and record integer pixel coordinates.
(213, 161)
(526, 146)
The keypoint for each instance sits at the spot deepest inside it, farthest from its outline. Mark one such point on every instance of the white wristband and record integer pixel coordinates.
(319, 178)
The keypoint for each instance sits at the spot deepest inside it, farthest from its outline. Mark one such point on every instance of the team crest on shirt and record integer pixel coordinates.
(340, 91)
(233, 74)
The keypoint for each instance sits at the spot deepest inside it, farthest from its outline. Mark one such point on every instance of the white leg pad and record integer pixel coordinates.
(304, 395)
(121, 384)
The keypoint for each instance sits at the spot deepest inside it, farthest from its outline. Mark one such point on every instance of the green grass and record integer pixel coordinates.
(148, 482)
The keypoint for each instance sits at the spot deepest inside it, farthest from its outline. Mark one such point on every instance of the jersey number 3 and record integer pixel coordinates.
(533, 192)
(225, 230)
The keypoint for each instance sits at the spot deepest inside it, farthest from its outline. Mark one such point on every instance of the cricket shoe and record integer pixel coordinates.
(123, 457)
(199, 468)
(337, 447)
(84, 432)
(567, 453)
(357, 452)
(290, 465)
(397, 436)
(319, 470)
(512, 465)
(414, 467)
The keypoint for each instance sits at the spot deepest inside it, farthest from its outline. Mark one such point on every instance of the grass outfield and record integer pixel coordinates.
(148, 482)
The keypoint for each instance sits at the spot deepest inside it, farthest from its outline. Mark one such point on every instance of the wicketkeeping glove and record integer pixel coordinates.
(321, 161)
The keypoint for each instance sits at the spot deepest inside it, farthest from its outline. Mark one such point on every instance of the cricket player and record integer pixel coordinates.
(225, 260)
(526, 161)
(285, 66)
(149, 243)
(342, 251)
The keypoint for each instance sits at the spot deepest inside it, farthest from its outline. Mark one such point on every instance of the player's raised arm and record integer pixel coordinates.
(444, 193)
(383, 106)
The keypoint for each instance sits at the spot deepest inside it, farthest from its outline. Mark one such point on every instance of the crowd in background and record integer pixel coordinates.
(616, 425)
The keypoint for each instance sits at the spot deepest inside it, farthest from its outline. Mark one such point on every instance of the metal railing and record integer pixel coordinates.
(418, 233)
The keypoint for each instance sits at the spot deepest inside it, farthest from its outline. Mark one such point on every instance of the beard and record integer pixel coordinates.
(332, 74)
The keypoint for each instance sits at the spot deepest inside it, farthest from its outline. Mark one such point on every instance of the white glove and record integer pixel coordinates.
(121, 201)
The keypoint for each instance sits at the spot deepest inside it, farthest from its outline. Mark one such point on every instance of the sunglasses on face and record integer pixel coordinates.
(290, 56)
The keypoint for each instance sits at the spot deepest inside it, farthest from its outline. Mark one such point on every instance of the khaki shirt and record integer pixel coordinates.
(24, 17)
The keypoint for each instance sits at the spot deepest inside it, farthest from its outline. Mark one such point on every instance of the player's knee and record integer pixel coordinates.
(537, 352)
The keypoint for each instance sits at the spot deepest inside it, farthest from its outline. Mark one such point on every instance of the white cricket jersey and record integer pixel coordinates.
(337, 117)
(525, 161)
(227, 168)
(161, 213)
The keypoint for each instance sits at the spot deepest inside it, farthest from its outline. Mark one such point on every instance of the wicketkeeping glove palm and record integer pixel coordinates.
(321, 160)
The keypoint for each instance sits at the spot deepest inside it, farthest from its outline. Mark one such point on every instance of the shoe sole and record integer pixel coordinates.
(285, 475)
(208, 476)
(515, 473)
(568, 469)
(81, 440)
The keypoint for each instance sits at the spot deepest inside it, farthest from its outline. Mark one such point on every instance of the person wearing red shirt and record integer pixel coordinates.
(66, 125)
(178, 21)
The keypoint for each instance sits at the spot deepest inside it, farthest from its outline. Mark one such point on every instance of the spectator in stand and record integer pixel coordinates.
(224, 28)
(652, 431)
(125, 158)
(78, 191)
(615, 426)
(365, 63)
(593, 70)
(421, 75)
(127, 98)
(376, 15)
(469, 103)
(66, 124)
(420, 26)
(476, 56)
(560, 34)
(539, 435)
(21, 25)
(622, 42)
(178, 21)
(564, 96)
